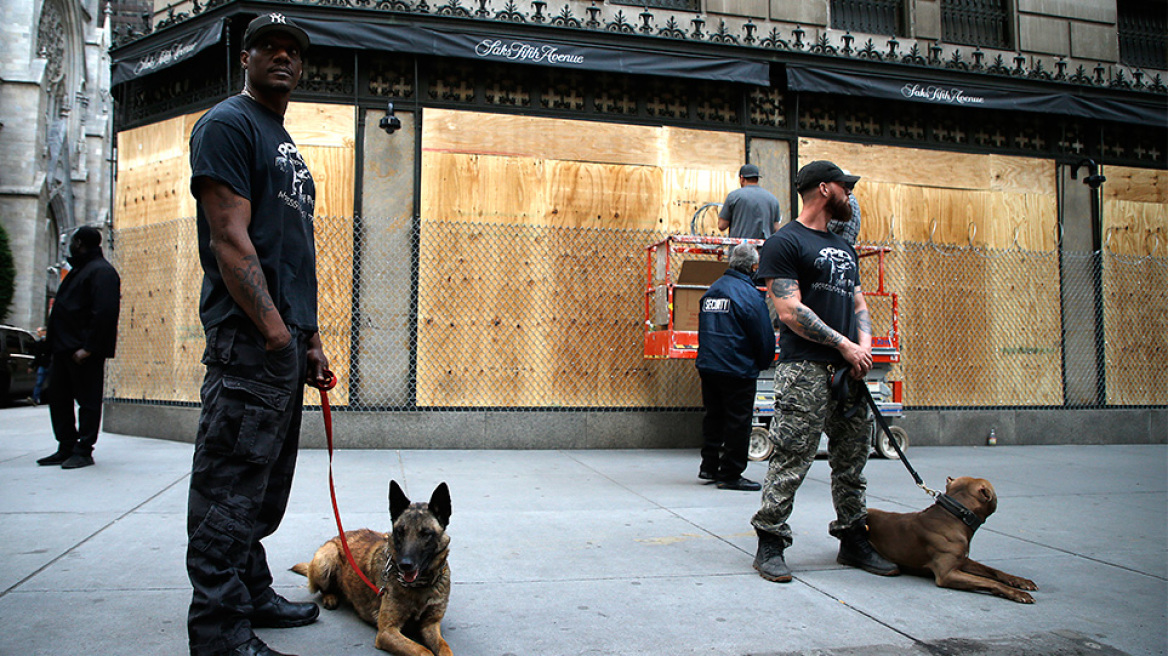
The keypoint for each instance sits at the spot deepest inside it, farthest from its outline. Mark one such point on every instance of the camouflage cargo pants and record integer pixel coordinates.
(804, 409)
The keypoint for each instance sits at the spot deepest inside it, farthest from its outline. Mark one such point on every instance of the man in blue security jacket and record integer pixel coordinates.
(735, 341)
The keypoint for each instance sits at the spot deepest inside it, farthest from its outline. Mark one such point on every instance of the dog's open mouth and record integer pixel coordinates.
(408, 575)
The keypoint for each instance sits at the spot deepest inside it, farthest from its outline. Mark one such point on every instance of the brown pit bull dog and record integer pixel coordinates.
(936, 541)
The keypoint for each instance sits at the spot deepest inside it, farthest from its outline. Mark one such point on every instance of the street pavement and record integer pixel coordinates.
(610, 552)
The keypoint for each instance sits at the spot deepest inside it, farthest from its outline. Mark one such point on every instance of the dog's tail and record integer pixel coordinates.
(300, 568)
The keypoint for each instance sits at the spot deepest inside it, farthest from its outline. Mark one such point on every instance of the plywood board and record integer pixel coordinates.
(532, 255)
(962, 340)
(161, 341)
(536, 317)
(314, 124)
(1135, 228)
(1135, 306)
(1136, 185)
(493, 189)
(906, 166)
(512, 135)
(991, 201)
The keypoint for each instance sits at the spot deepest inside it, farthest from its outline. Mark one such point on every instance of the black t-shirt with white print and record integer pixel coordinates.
(825, 267)
(244, 145)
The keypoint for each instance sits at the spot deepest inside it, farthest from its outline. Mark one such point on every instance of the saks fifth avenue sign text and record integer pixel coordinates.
(164, 58)
(938, 94)
(524, 52)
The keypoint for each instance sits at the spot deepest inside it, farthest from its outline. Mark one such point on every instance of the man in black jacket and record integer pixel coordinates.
(735, 341)
(83, 331)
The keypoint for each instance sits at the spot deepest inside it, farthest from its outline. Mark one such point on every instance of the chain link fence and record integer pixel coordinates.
(495, 315)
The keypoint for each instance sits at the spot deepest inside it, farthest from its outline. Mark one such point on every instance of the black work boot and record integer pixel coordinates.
(856, 551)
(769, 559)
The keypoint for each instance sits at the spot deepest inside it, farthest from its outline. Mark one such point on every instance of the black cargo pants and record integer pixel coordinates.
(83, 383)
(729, 404)
(245, 455)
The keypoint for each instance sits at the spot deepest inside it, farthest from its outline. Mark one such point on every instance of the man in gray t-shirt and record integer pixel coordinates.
(749, 212)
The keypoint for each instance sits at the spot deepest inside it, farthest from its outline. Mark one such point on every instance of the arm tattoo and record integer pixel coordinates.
(226, 202)
(865, 321)
(813, 328)
(250, 278)
(783, 288)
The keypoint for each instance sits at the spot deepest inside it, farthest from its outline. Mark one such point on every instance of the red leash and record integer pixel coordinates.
(328, 431)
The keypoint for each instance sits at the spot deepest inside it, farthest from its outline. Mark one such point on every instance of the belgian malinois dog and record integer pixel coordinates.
(409, 565)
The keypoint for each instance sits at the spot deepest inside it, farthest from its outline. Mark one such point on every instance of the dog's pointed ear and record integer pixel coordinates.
(440, 504)
(398, 501)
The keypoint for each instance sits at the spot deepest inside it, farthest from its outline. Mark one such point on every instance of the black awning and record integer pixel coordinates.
(135, 62)
(929, 90)
(425, 41)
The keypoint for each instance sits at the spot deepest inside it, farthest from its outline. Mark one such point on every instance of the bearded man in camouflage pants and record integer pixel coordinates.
(812, 277)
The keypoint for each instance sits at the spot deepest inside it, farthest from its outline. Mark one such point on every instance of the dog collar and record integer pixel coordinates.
(953, 507)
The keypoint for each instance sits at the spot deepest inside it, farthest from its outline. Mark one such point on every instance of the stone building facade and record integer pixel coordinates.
(55, 143)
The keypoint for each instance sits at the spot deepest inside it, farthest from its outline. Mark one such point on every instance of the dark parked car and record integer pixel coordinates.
(17, 352)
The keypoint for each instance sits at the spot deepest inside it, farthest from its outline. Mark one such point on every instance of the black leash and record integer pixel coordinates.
(839, 386)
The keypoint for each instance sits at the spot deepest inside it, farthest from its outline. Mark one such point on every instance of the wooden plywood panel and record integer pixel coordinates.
(1022, 220)
(579, 141)
(313, 124)
(907, 166)
(325, 137)
(1135, 306)
(1137, 185)
(948, 198)
(535, 296)
(1025, 175)
(930, 215)
(702, 149)
(1135, 277)
(1135, 228)
(153, 192)
(332, 173)
(160, 312)
(151, 143)
(1024, 357)
(686, 190)
(495, 189)
(532, 316)
(153, 183)
(334, 279)
(582, 194)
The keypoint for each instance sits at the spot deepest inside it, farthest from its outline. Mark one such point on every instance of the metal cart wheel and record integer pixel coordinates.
(760, 444)
(883, 445)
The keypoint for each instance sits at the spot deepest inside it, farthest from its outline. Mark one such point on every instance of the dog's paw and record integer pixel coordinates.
(330, 602)
(1020, 597)
(1021, 583)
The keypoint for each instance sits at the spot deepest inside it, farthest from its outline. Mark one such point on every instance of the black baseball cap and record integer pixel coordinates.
(822, 170)
(274, 22)
(749, 171)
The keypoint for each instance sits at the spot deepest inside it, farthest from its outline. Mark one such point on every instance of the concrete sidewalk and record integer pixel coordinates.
(597, 552)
